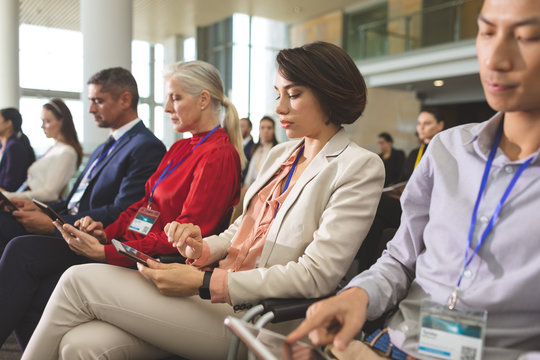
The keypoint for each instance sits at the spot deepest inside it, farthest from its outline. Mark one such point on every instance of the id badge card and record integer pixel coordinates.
(144, 220)
(451, 334)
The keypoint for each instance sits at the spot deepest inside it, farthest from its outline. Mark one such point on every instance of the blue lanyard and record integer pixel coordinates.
(168, 171)
(290, 176)
(467, 261)
(103, 155)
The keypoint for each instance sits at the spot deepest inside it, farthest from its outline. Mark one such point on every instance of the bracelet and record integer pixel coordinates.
(204, 290)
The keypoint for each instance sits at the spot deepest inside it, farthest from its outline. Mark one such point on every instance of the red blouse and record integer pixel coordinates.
(202, 191)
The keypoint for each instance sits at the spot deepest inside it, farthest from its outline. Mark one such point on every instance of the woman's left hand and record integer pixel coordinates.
(173, 279)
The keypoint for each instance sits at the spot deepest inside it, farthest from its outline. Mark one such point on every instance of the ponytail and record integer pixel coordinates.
(231, 124)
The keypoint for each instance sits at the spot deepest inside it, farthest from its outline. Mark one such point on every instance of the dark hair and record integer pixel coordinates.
(437, 114)
(274, 140)
(386, 136)
(116, 81)
(60, 110)
(332, 75)
(249, 122)
(13, 115)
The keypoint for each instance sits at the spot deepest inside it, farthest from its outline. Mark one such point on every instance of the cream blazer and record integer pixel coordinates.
(318, 229)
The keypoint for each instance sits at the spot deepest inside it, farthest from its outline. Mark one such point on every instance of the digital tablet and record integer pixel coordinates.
(269, 345)
(8, 205)
(49, 211)
(131, 253)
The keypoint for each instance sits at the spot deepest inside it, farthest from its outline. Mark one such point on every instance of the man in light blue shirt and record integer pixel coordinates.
(454, 195)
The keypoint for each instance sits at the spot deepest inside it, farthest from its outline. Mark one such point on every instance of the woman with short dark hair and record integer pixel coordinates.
(304, 218)
(16, 154)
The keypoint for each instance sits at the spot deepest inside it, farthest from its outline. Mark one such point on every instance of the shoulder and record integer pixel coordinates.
(456, 136)
(141, 133)
(64, 149)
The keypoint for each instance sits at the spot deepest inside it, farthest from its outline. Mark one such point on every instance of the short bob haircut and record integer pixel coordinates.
(331, 74)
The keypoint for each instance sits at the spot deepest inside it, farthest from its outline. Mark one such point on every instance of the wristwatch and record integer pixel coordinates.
(204, 290)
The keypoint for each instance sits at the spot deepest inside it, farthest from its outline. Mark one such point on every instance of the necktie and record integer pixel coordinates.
(107, 144)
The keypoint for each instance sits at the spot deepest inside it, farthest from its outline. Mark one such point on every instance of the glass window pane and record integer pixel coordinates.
(159, 121)
(144, 114)
(50, 58)
(140, 66)
(190, 49)
(159, 59)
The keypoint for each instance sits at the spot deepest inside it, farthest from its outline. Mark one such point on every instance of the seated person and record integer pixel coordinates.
(49, 175)
(16, 154)
(304, 219)
(428, 124)
(31, 265)
(487, 261)
(267, 140)
(116, 171)
(393, 159)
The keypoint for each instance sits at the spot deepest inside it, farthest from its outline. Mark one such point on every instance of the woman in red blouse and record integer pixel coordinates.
(304, 219)
(197, 181)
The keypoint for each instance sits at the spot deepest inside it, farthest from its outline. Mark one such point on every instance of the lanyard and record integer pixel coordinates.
(419, 156)
(290, 176)
(468, 259)
(168, 171)
(103, 155)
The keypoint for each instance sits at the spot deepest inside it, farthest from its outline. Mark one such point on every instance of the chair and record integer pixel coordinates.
(279, 310)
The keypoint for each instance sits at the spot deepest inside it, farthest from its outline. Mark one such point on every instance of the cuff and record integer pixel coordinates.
(203, 260)
(219, 289)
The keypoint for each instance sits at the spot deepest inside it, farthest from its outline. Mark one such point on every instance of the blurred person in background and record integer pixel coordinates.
(50, 174)
(16, 154)
(267, 140)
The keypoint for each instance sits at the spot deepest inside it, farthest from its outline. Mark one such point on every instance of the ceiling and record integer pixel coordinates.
(155, 20)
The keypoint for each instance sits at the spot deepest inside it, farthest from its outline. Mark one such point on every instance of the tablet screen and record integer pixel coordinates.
(269, 345)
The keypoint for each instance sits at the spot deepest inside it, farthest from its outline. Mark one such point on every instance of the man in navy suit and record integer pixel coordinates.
(117, 170)
(113, 179)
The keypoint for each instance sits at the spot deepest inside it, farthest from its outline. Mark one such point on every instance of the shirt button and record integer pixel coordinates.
(509, 169)
(484, 219)
(404, 328)
(467, 273)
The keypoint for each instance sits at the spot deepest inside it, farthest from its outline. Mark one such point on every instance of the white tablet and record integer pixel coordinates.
(269, 345)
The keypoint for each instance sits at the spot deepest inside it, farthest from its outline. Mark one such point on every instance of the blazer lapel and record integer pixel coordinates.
(117, 147)
(335, 146)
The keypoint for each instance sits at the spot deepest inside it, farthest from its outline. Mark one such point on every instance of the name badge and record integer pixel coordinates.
(451, 334)
(144, 220)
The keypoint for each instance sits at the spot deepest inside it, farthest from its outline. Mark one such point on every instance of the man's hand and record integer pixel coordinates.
(92, 227)
(35, 222)
(173, 279)
(82, 243)
(334, 320)
(186, 238)
(24, 204)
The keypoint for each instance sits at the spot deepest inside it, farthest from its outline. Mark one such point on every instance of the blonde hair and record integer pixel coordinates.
(196, 76)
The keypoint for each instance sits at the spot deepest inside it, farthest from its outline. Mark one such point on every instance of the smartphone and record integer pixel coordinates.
(7, 203)
(49, 211)
(269, 345)
(131, 253)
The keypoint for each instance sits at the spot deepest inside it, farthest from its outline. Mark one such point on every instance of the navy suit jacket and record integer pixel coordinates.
(118, 180)
(14, 165)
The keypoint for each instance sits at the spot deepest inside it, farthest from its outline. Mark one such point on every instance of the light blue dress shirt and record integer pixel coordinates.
(424, 259)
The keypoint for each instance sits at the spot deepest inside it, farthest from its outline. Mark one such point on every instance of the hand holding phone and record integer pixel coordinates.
(49, 211)
(6, 204)
(131, 253)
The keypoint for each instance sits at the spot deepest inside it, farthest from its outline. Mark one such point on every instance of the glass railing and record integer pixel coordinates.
(447, 22)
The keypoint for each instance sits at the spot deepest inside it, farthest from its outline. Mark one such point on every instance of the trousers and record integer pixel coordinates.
(29, 270)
